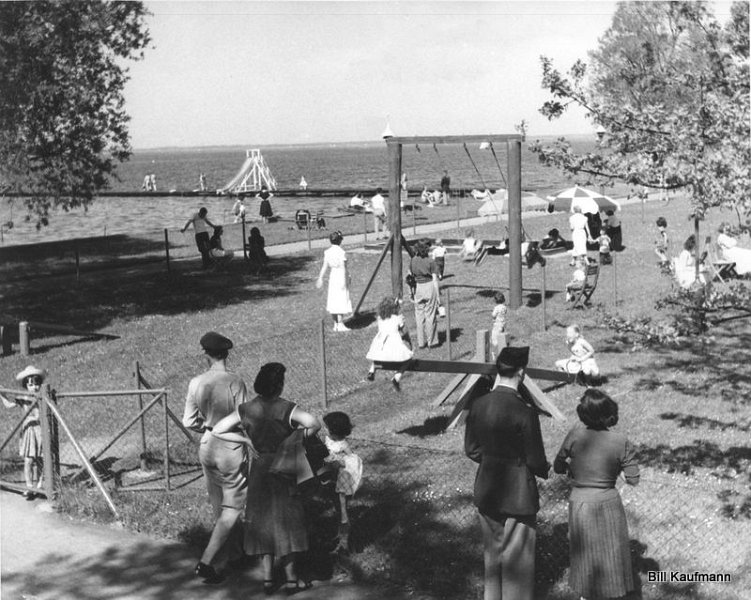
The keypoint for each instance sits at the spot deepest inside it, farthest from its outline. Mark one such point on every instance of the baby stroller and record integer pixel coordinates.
(302, 219)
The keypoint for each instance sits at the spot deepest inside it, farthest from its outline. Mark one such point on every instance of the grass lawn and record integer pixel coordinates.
(686, 409)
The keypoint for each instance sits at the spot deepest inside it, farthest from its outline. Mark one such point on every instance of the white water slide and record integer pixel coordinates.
(252, 176)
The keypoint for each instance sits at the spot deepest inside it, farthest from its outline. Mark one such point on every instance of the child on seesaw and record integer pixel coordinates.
(582, 360)
(391, 344)
(498, 333)
(348, 467)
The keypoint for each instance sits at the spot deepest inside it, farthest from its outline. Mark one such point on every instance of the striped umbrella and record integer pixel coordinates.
(587, 200)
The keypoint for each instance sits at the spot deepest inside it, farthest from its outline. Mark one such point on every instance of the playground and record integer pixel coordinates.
(684, 407)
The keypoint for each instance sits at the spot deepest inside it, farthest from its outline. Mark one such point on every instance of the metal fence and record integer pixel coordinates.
(413, 520)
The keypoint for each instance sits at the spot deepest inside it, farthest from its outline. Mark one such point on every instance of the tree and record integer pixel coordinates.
(63, 126)
(670, 88)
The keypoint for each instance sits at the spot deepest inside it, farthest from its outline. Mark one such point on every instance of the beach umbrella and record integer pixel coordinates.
(587, 200)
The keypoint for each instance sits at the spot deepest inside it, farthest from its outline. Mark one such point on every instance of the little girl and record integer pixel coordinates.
(30, 446)
(498, 335)
(582, 360)
(348, 465)
(391, 344)
(256, 251)
(577, 280)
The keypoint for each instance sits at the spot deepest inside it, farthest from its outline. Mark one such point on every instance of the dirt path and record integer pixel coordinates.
(46, 556)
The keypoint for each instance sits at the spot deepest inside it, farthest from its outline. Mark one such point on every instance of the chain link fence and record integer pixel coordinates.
(414, 524)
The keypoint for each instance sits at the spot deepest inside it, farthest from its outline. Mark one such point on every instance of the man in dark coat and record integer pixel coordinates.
(503, 436)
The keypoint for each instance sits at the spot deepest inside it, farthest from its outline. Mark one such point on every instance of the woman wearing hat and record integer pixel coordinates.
(30, 446)
(338, 302)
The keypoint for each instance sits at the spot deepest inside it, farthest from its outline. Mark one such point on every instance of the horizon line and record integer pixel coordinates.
(302, 144)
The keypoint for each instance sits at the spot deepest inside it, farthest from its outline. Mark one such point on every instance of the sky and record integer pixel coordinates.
(285, 72)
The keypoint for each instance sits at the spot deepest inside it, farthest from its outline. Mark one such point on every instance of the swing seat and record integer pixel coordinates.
(582, 295)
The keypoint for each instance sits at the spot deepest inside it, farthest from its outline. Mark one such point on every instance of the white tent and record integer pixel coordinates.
(497, 204)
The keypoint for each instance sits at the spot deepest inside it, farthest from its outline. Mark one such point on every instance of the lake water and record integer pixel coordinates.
(332, 166)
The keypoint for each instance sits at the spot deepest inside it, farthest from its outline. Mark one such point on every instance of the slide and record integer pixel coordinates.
(237, 178)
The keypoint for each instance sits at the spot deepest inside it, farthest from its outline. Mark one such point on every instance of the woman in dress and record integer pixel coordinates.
(427, 296)
(592, 455)
(265, 195)
(730, 251)
(685, 265)
(30, 442)
(338, 302)
(580, 234)
(274, 514)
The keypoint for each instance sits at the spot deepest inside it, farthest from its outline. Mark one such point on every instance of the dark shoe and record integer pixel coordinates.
(395, 383)
(208, 573)
(269, 587)
(371, 376)
(29, 495)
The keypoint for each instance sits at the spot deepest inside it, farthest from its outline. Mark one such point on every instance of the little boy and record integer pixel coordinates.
(604, 243)
(662, 245)
(439, 256)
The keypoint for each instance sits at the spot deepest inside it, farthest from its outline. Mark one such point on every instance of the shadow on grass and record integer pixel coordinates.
(534, 299)
(95, 302)
(456, 333)
(431, 426)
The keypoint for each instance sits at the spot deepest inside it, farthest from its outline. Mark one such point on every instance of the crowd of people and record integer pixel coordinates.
(254, 453)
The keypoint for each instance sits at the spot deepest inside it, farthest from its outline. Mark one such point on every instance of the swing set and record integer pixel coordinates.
(469, 372)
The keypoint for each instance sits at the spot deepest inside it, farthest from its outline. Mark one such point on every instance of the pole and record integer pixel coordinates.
(544, 301)
(395, 215)
(78, 264)
(482, 345)
(448, 323)
(137, 377)
(615, 281)
(322, 354)
(23, 338)
(307, 233)
(166, 248)
(515, 222)
(364, 227)
(414, 225)
(245, 247)
(167, 481)
(458, 212)
(49, 441)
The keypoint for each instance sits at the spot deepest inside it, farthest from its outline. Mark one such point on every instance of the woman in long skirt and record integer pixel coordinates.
(338, 302)
(593, 456)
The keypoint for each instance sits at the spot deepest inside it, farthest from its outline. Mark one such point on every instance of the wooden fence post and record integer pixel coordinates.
(307, 229)
(144, 452)
(23, 338)
(448, 323)
(245, 246)
(322, 353)
(6, 345)
(544, 301)
(167, 480)
(50, 444)
(364, 227)
(166, 248)
(482, 345)
(615, 282)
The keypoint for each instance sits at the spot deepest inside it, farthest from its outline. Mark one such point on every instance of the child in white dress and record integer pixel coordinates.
(348, 466)
(30, 441)
(498, 333)
(582, 360)
(391, 344)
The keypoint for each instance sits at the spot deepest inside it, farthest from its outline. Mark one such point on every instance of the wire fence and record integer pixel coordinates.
(414, 524)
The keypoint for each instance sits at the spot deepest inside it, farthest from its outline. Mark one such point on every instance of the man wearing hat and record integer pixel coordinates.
(503, 436)
(212, 396)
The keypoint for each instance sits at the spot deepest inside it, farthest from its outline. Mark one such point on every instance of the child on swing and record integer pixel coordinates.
(391, 344)
(30, 444)
(348, 467)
